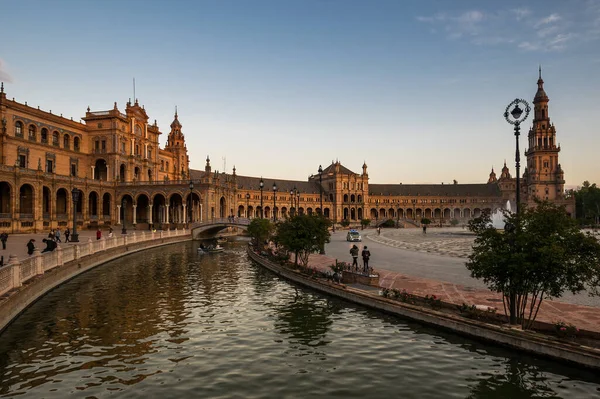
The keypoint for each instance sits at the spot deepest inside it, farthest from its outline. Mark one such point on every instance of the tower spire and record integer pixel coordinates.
(540, 71)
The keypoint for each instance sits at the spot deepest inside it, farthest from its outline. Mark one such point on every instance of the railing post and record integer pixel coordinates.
(103, 243)
(90, 246)
(76, 251)
(143, 236)
(39, 262)
(59, 257)
(133, 237)
(15, 268)
(161, 233)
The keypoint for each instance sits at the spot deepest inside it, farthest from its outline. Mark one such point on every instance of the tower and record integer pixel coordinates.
(176, 145)
(544, 176)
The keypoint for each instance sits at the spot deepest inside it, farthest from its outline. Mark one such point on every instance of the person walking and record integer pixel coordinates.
(98, 234)
(57, 235)
(67, 234)
(366, 254)
(424, 229)
(378, 230)
(354, 253)
(30, 247)
(51, 234)
(3, 238)
(50, 245)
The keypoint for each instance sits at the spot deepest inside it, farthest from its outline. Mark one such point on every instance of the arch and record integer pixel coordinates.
(66, 141)
(176, 208)
(122, 172)
(126, 209)
(159, 209)
(62, 203)
(250, 212)
(26, 200)
(44, 135)
(352, 198)
(447, 213)
(467, 214)
(326, 212)
(32, 132)
(136, 173)
(5, 202)
(301, 211)
(309, 211)
(55, 137)
(100, 170)
(345, 197)
(353, 213)
(46, 204)
(240, 212)
(476, 212)
(106, 206)
(267, 213)
(93, 205)
(409, 214)
(373, 213)
(437, 213)
(391, 213)
(360, 214)
(223, 207)
(141, 210)
(330, 197)
(18, 129)
(419, 213)
(382, 213)
(457, 213)
(359, 198)
(76, 143)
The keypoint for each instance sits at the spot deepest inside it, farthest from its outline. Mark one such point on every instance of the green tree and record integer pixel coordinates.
(345, 223)
(425, 221)
(454, 222)
(303, 235)
(260, 230)
(587, 200)
(541, 254)
(365, 222)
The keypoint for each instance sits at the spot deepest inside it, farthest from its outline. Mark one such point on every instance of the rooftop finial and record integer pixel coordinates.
(540, 71)
(2, 87)
(176, 112)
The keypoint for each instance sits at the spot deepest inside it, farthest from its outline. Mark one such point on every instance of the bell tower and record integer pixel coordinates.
(544, 175)
(176, 145)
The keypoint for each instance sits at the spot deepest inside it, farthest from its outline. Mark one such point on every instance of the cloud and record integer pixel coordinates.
(467, 23)
(4, 75)
(521, 13)
(548, 20)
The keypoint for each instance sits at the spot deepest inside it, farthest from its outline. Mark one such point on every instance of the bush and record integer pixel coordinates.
(472, 312)
(454, 222)
(433, 301)
(388, 223)
(345, 223)
(564, 330)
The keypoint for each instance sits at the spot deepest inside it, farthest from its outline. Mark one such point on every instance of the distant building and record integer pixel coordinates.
(115, 161)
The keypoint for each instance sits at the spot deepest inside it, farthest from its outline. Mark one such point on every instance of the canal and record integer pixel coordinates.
(169, 323)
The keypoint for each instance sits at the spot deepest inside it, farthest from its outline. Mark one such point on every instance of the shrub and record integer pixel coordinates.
(433, 301)
(564, 330)
(388, 223)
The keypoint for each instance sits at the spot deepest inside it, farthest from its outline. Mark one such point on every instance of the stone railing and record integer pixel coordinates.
(18, 272)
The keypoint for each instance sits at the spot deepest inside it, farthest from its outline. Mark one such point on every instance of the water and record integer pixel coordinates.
(498, 216)
(172, 324)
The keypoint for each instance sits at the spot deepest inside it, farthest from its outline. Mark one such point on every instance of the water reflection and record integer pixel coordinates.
(169, 320)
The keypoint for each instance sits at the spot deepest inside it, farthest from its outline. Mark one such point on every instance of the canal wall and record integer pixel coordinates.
(526, 341)
(22, 282)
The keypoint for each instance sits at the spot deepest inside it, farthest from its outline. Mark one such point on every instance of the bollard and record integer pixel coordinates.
(15, 265)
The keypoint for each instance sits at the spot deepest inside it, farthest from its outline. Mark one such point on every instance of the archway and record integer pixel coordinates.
(122, 172)
(158, 209)
(106, 206)
(127, 210)
(62, 204)
(223, 207)
(26, 201)
(46, 205)
(141, 210)
(5, 206)
(326, 213)
(176, 209)
(93, 206)
(360, 214)
(100, 170)
(345, 198)
(353, 213)
(346, 213)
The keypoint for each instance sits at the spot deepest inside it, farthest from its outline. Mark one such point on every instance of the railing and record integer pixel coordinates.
(17, 272)
(234, 220)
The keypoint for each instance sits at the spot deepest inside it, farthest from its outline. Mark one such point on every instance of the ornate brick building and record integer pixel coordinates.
(113, 159)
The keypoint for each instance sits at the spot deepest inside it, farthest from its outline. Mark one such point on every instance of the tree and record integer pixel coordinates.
(345, 223)
(587, 203)
(365, 222)
(260, 230)
(541, 254)
(425, 221)
(303, 235)
(454, 222)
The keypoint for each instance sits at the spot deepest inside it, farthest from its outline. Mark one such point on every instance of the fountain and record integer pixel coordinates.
(498, 216)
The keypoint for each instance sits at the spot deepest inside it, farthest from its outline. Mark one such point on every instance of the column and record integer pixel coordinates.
(118, 214)
(185, 213)
(150, 213)
(134, 213)
(108, 173)
(166, 213)
(93, 167)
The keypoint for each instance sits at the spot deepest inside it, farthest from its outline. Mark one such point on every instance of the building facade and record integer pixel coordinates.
(114, 162)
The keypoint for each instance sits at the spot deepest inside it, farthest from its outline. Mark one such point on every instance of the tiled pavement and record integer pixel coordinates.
(584, 317)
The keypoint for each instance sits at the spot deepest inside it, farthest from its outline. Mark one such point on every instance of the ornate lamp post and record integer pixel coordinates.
(376, 212)
(261, 185)
(515, 117)
(321, 187)
(292, 200)
(247, 200)
(274, 201)
(123, 205)
(191, 202)
(397, 213)
(74, 234)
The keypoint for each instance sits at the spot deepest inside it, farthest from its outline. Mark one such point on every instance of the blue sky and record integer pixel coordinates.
(416, 89)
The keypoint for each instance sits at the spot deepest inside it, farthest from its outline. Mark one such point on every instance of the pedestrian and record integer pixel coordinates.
(366, 254)
(31, 247)
(3, 238)
(354, 253)
(1, 260)
(110, 232)
(57, 235)
(98, 234)
(50, 245)
(378, 230)
(51, 234)
(424, 229)
(67, 234)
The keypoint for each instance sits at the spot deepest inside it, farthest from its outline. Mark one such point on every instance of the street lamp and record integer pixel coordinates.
(397, 213)
(191, 202)
(261, 185)
(321, 187)
(376, 212)
(123, 205)
(298, 202)
(274, 201)
(247, 209)
(75, 194)
(292, 200)
(516, 117)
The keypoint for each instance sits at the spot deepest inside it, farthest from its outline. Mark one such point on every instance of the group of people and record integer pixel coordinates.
(365, 254)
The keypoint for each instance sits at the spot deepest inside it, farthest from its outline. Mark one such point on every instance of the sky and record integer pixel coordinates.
(416, 89)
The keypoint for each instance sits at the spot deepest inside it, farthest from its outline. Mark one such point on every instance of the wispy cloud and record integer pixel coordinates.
(519, 27)
(4, 75)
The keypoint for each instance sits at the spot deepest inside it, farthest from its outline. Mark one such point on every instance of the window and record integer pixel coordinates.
(19, 129)
(99, 125)
(138, 130)
(55, 139)
(103, 145)
(96, 146)
(137, 149)
(76, 143)
(123, 147)
(73, 170)
(49, 165)
(67, 141)
(22, 161)
(45, 136)
(150, 152)
(162, 165)
(32, 132)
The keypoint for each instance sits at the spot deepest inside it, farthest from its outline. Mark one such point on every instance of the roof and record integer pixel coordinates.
(486, 190)
(252, 183)
(343, 169)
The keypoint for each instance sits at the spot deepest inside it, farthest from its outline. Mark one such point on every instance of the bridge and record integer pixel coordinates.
(210, 228)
